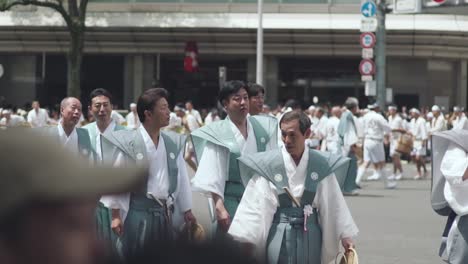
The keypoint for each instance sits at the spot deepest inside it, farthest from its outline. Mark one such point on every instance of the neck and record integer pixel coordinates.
(103, 125)
(241, 125)
(68, 128)
(297, 158)
(153, 132)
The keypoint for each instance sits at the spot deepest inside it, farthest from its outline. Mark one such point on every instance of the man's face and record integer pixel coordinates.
(392, 111)
(58, 234)
(256, 103)
(293, 139)
(237, 105)
(160, 114)
(71, 112)
(436, 113)
(101, 108)
(189, 106)
(35, 105)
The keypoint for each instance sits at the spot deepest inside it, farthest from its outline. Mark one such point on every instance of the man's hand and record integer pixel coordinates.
(224, 219)
(347, 243)
(117, 223)
(189, 218)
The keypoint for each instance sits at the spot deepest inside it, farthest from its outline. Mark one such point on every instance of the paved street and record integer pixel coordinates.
(396, 226)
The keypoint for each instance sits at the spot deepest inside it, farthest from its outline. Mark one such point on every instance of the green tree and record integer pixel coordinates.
(74, 14)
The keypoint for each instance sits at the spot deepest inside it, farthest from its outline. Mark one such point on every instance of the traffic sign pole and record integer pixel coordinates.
(381, 53)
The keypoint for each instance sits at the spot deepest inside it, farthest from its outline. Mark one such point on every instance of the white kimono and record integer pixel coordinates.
(39, 118)
(395, 123)
(351, 136)
(158, 181)
(254, 215)
(133, 121)
(438, 124)
(212, 172)
(332, 138)
(460, 123)
(453, 167)
(69, 142)
(375, 128)
(419, 131)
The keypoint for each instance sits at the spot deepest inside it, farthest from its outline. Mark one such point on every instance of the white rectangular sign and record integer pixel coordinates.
(370, 88)
(389, 95)
(367, 53)
(369, 24)
(406, 6)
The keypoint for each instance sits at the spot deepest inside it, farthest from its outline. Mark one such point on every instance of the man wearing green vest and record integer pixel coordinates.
(219, 144)
(101, 108)
(67, 134)
(293, 210)
(347, 131)
(146, 215)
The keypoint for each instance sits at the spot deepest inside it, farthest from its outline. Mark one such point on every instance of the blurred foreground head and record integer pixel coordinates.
(48, 198)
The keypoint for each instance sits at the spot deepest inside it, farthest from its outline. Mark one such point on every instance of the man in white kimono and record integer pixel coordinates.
(318, 128)
(419, 131)
(332, 139)
(293, 210)
(218, 145)
(75, 139)
(165, 200)
(459, 121)
(101, 109)
(37, 117)
(348, 133)
(398, 128)
(132, 118)
(449, 188)
(191, 111)
(375, 130)
(438, 123)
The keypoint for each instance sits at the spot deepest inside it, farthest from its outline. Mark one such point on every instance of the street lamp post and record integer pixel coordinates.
(259, 70)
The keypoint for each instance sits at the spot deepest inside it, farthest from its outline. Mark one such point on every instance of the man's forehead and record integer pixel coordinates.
(241, 91)
(100, 99)
(289, 125)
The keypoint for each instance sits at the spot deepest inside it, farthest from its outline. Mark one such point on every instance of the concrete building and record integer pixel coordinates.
(311, 49)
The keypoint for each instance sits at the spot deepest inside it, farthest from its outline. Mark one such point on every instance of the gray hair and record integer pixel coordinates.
(351, 102)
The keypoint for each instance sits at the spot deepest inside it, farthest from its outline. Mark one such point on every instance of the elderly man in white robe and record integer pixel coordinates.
(75, 139)
(449, 188)
(293, 210)
(398, 128)
(376, 128)
(218, 145)
(331, 141)
(164, 202)
(420, 134)
(348, 133)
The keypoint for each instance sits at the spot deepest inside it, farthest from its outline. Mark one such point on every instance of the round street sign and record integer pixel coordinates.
(439, 1)
(367, 67)
(367, 40)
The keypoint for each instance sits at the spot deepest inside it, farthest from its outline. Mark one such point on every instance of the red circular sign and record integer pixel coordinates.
(367, 67)
(367, 40)
(439, 1)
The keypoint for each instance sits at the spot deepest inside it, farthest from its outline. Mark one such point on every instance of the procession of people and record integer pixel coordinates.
(275, 180)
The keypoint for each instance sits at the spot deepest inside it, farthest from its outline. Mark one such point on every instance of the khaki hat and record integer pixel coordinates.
(36, 168)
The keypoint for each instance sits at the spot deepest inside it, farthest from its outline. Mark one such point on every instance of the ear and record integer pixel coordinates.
(307, 133)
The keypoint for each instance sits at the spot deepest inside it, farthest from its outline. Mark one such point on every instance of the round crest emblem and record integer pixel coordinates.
(85, 152)
(262, 140)
(139, 156)
(314, 176)
(278, 177)
(172, 155)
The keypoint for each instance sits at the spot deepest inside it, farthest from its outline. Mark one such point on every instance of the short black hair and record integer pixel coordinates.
(253, 89)
(229, 88)
(148, 99)
(100, 92)
(293, 103)
(304, 120)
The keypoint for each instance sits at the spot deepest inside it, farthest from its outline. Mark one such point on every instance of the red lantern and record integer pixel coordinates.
(191, 57)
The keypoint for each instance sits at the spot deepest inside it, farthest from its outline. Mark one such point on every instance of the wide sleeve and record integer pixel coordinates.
(212, 170)
(335, 218)
(453, 167)
(254, 216)
(184, 191)
(118, 201)
(350, 137)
